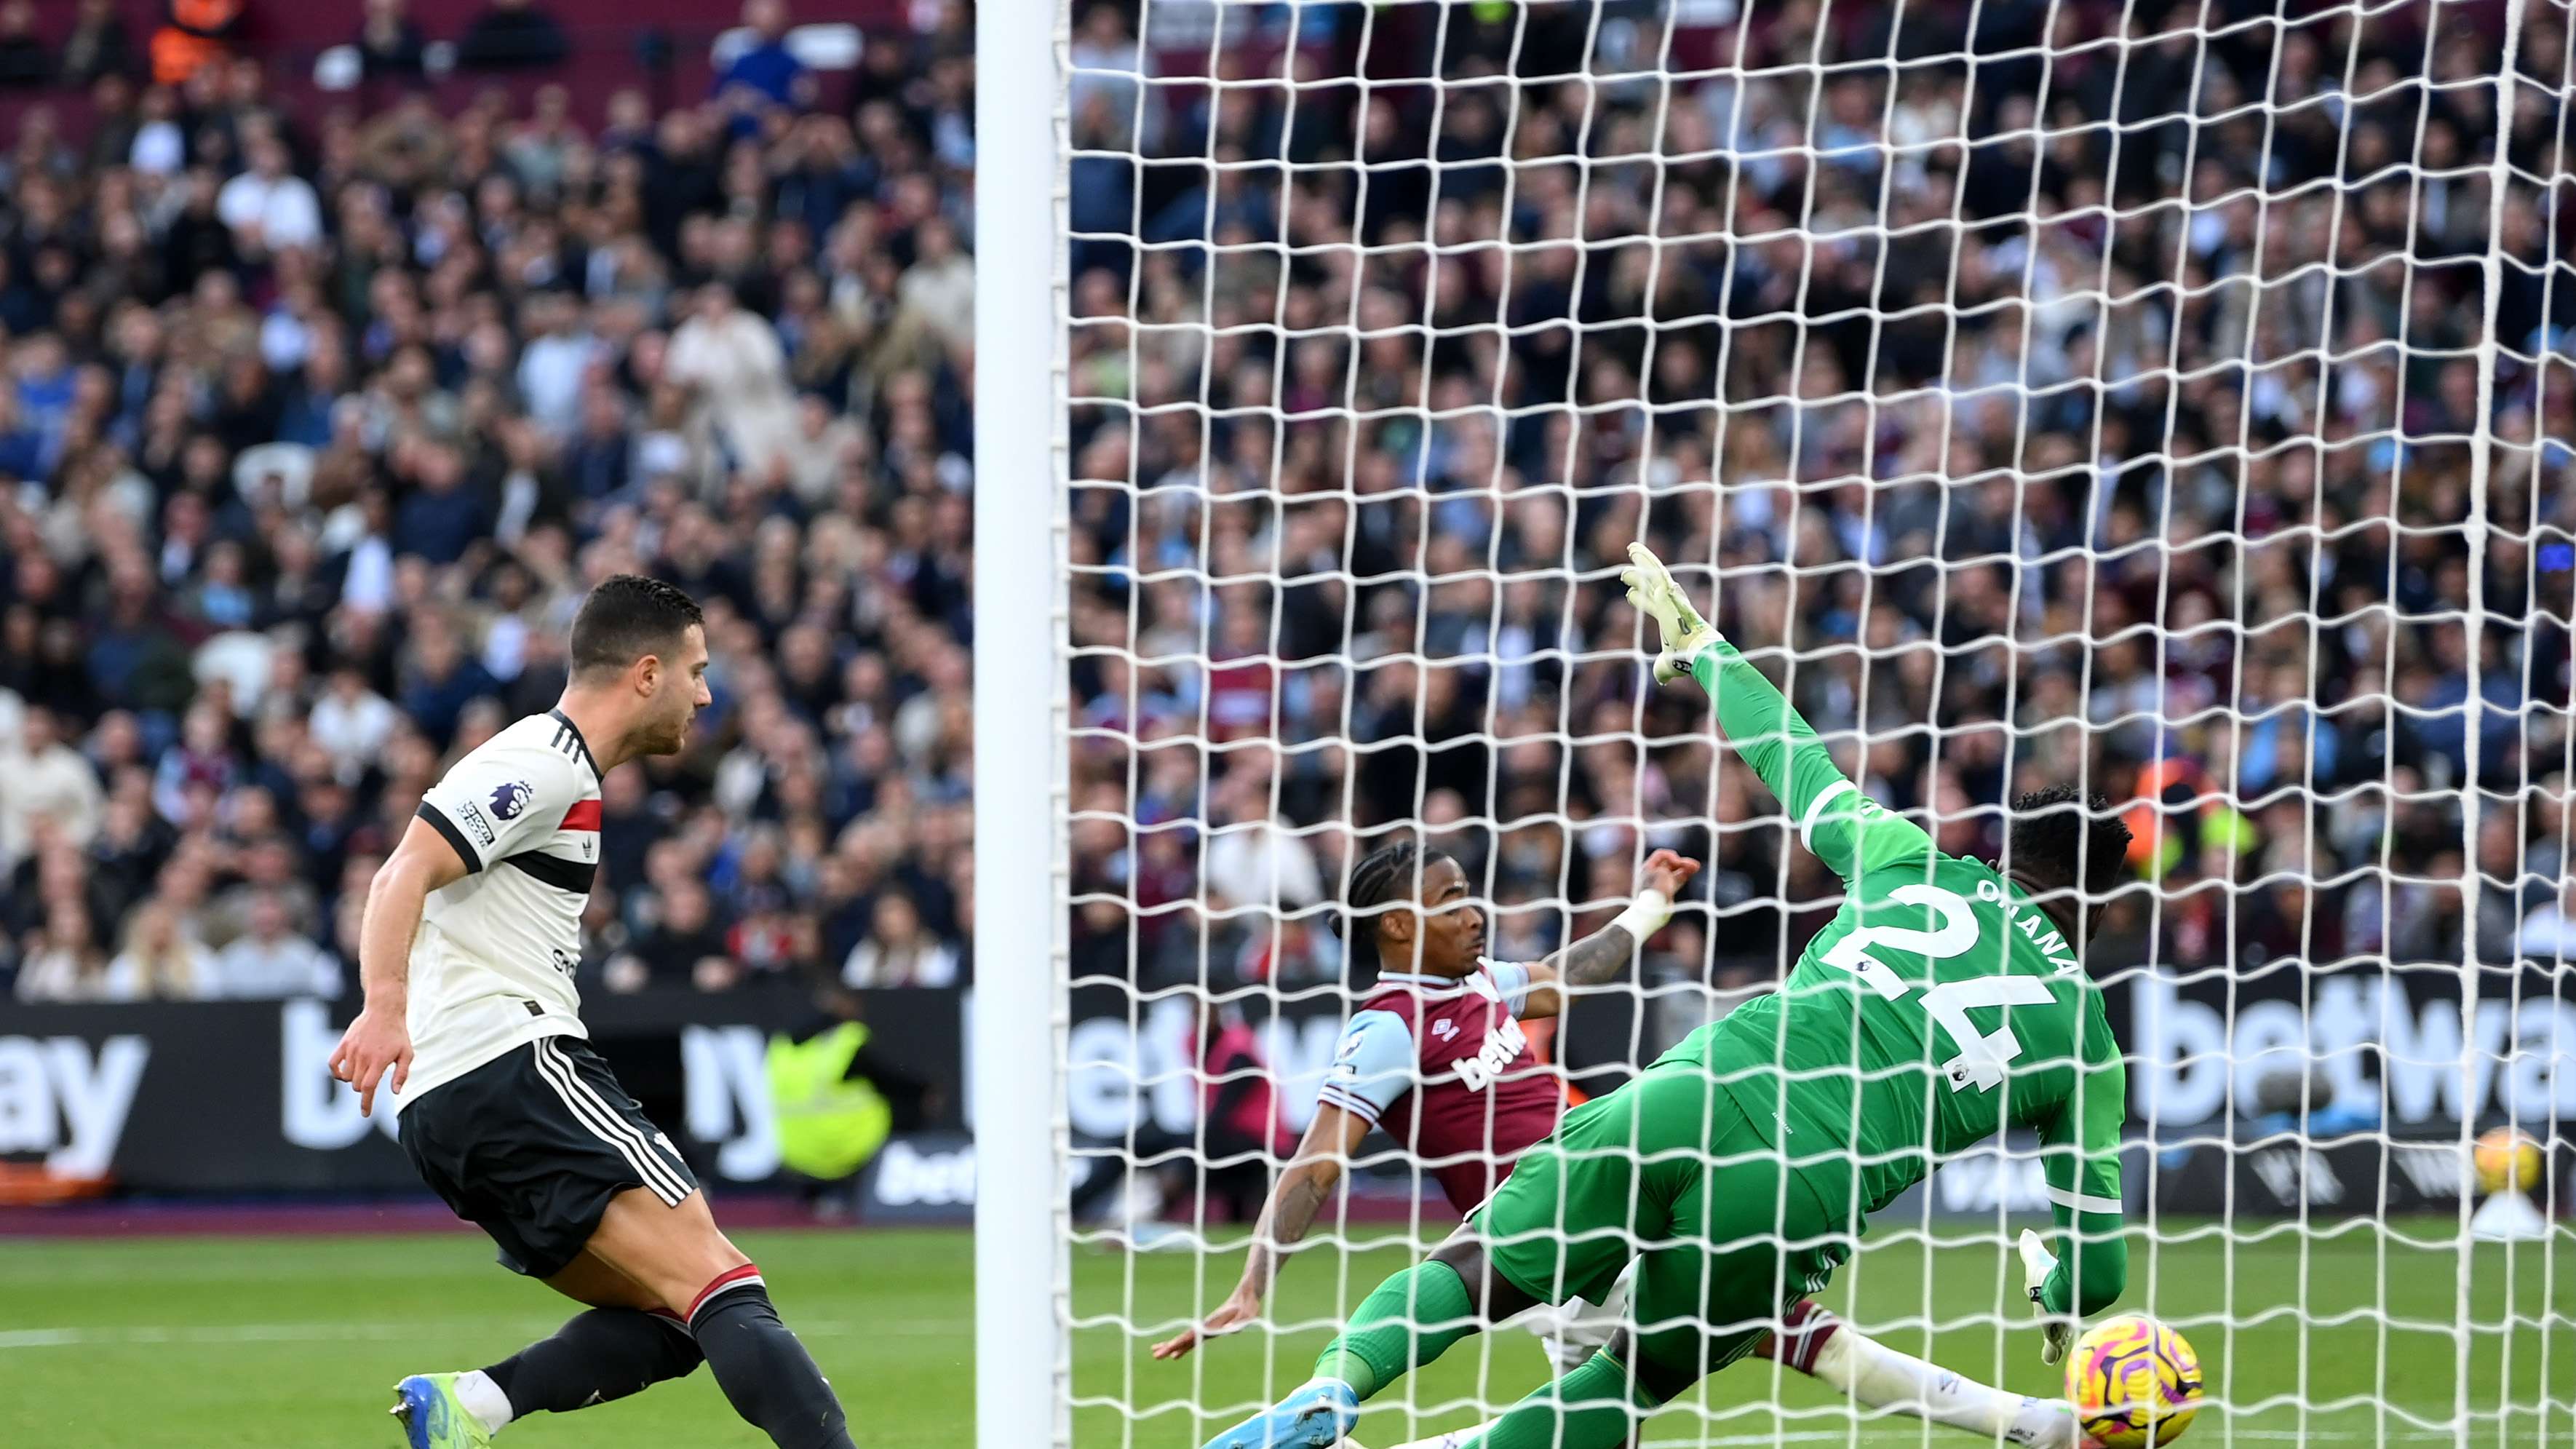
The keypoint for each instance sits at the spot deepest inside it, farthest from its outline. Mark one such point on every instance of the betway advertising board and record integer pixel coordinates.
(2201, 1048)
(2374, 1042)
(238, 1097)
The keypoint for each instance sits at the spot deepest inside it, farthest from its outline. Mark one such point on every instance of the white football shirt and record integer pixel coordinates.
(492, 967)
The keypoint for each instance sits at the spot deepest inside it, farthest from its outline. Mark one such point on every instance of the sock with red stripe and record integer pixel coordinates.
(1800, 1340)
(601, 1355)
(767, 1375)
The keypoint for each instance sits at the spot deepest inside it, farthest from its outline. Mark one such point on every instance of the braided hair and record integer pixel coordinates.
(2056, 828)
(1381, 879)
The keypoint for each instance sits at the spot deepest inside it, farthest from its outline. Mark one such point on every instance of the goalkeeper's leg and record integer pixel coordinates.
(1414, 1317)
(1572, 1331)
(1406, 1322)
(1814, 1341)
(1740, 1238)
(1563, 1225)
(1680, 1293)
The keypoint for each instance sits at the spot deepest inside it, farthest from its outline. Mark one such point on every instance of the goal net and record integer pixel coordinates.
(2175, 400)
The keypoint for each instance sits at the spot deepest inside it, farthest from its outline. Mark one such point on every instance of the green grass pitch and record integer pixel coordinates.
(284, 1344)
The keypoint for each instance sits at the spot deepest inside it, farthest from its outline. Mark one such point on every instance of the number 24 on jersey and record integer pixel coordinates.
(1982, 1055)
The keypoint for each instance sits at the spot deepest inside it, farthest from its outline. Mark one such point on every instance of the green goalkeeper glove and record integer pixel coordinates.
(1652, 589)
(2037, 1265)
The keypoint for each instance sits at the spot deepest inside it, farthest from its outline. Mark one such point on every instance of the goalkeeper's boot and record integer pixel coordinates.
(433, 1418)
(1316, 1416)
(1652, 589)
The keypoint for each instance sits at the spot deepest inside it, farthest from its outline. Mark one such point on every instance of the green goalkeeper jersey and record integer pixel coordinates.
(1940, 1006)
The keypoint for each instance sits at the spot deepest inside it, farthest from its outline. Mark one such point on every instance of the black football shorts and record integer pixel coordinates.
(531, 1145)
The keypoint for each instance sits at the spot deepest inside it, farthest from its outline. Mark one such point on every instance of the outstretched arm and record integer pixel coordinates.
(2080, 1156)
(1597, 957)
(1295, 1199)
(1846, 829)
(1782, 749)
(2082, 1165)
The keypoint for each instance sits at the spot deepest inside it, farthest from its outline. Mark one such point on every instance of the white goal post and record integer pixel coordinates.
(2178, 399)
(1022, 1349)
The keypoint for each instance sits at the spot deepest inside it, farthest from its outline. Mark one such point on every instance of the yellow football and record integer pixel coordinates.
(2134, 1382)
(2508, 1160)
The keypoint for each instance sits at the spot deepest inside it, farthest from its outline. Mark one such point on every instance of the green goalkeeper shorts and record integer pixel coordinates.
(1670, 1168)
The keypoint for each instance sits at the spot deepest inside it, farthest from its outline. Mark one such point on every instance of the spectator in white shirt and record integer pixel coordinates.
(352, 722)
(160, 144)
(899, 951)
(161, 959)
(2549, 933)
(270, 961)
(66, 963)
(555, 363)
(43, 778)
(268, 207)
(1250, 860)
(736, 373)
(940, 285)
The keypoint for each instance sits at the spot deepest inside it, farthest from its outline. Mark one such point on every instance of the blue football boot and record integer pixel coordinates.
(1316, 1416)
(433, 1419)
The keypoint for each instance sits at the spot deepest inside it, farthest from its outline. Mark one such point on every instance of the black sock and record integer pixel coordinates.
(601, 1355)
(768, 1375)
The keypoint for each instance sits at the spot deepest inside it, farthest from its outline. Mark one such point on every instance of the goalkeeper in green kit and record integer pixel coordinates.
(1945, 1001)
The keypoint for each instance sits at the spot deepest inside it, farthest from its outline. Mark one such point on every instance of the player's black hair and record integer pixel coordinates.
(627, 617)
(2059, 831)
(1382, 878)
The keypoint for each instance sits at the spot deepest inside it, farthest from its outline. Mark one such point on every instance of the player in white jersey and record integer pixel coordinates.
(466, 951)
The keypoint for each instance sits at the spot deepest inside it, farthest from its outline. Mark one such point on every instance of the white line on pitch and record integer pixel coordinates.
(222, 1333)
(1915, 1437)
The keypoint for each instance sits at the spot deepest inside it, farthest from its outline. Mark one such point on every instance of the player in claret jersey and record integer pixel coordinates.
(1436, 1057)
(1945, 1000)
(467, 948)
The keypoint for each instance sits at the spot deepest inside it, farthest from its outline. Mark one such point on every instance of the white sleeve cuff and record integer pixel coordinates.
(1359, 1107)
(1816, 810)
(2084, 1202)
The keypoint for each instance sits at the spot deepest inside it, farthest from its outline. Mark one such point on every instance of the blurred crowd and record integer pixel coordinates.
(2058, 391)
(2047, 391)
(318, 417)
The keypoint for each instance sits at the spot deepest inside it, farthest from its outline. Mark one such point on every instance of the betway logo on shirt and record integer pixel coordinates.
(1502, 1046)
